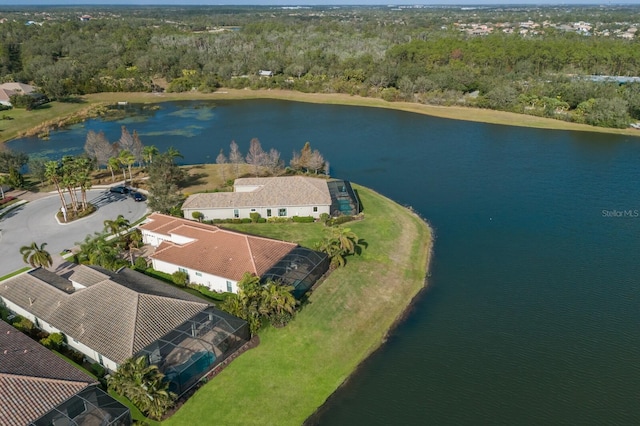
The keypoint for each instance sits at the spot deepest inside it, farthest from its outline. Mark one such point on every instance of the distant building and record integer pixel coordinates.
(265, 73)
(9, 89)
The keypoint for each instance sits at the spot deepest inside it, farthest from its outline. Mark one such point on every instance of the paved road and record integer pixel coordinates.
(35, 221)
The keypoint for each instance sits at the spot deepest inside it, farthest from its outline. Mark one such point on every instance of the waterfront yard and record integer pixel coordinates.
(295, 369)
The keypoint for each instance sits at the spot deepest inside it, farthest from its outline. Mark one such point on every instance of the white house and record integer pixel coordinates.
(107, 316)
(270, 197)
(9, 89)
(211, 256)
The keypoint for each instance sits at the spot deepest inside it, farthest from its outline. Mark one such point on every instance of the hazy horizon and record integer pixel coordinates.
(312, 3)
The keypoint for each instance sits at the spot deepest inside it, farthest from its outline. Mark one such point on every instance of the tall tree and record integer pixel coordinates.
(148, 152)
(127, 159)
(164, 178)
(235, 157)
(221, 160)
(116, 226)
(98, 147)
(36, 256)
(274, 162)
(256, 155)
(113, 164)
(53, 174)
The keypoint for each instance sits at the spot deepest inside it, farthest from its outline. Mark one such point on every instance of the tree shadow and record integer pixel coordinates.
(195, 179)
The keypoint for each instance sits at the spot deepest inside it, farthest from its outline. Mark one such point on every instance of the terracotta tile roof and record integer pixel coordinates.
(274, 191)
(32, 379)
(214, 250)
(113, 319)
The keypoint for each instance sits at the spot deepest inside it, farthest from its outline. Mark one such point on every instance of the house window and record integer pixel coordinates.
(236, 213)
(229, 286)
(100, 359)
(253, 210)
(198, 274)
(182, 270)
(268, 212)
(282, 212)
(315, 209)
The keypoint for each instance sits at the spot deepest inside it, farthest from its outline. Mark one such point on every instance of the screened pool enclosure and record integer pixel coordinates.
(188, 352)
(300, 268)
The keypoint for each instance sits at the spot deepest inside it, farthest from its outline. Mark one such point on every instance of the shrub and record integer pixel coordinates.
(279, 219)
(98, 370)
(324, 218)
(262, 220)
(180, 278)
(255, 216)
(340, 220)
(303, 219)
(23, 324)
(246, 220)
(54, 341)
(141, 264)
(197, 216)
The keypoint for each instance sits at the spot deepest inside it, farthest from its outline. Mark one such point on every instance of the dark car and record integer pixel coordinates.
(119, 189)
(137, 196)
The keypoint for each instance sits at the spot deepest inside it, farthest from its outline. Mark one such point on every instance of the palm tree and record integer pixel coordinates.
(173, 153)
(127, 159)
(148, 152)
(113, 164)
(143, 385)
(116, 226)
(54, 175)
(36, 256)
(96, 250)
(339, 243)
(278, 303)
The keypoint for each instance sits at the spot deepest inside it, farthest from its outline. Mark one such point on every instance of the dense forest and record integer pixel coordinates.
(536, 61)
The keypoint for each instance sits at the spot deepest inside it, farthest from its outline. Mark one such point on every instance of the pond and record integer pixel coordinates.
(533, 311)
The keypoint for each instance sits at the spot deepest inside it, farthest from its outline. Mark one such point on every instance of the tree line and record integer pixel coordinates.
(375, 52)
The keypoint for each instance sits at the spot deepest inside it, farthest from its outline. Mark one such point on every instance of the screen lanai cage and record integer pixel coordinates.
(189, 351)
(90, 406)
(300, 268)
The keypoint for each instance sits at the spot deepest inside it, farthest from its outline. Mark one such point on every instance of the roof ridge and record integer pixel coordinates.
(46, 379)
(251, 257)
(134, 329)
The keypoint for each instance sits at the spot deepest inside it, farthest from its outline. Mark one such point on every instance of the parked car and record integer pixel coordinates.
(137, 196)
(119, 189)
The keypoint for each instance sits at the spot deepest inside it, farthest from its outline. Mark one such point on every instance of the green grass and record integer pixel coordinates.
(295, 369)
(136, 414)
(76, 365)
(14, 273)
(305, 234)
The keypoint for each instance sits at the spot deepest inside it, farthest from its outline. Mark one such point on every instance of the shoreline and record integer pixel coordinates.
(477, 115)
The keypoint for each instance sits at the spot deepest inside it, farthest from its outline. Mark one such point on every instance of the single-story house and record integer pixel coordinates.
(39, 388)
(265, 73)
(283, 196)
(112, 316)
(9, 89)
(218, 258)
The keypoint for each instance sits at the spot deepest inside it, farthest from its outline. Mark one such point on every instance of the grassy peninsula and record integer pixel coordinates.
(295, 369)
(18, 122)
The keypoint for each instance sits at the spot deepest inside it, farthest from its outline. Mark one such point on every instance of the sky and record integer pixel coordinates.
(313, 2)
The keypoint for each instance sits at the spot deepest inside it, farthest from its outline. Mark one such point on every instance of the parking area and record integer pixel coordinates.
(35, 221)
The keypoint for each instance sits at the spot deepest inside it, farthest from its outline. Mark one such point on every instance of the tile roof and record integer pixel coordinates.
(19, 88)
(215, 250)
(274, 191)
(32, 379)
(115, 320)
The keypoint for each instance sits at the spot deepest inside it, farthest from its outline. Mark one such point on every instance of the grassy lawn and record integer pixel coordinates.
(295, 369)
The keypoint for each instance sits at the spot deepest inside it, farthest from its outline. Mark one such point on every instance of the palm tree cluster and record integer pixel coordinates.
(144, 385)
(113, 248)
(67, 175)
(256, 302)
(339, 243)
(36, 256)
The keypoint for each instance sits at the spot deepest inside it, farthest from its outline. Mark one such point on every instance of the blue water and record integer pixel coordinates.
(532, 315)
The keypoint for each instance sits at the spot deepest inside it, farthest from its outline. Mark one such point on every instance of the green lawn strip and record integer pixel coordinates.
(14, 273)
(136, 414)
(295, 369)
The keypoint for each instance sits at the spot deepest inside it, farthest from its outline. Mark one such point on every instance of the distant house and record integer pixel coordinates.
(218, 258)
(286, 196)
(112, 316)
(85, 18)
(9, 89)
(39, 388)
(265, 73)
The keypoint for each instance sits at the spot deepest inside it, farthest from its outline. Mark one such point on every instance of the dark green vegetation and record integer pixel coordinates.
(294, 369)
(36, 255)
(526, 60)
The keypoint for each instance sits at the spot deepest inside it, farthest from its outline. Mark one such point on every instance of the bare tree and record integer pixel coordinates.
(316, 161)
(235, 156)
(98, 147)
(221, 160)
(274, 162)
(138, 148)
(256, 156)
(126, 141)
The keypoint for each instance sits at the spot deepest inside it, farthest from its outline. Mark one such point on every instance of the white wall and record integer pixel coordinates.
(214, 282)
(226, 213)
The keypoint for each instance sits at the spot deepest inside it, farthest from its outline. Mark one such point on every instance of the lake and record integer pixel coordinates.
(532, 315)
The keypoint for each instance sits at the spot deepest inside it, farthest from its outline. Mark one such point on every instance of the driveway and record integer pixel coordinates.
(35, 221)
